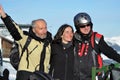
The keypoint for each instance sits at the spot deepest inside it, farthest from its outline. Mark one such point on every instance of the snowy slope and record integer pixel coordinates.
(114, 42)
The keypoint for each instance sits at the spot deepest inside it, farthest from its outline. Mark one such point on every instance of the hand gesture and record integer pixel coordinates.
(2, 13)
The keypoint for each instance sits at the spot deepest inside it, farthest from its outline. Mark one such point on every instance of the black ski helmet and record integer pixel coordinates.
(82, 19)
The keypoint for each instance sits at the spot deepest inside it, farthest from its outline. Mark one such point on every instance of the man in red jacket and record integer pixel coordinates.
(86, 56)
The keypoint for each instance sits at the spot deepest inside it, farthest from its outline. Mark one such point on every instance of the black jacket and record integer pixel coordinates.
(84, 64)
(62, 61)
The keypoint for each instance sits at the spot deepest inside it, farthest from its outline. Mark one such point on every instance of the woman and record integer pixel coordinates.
(62, 54)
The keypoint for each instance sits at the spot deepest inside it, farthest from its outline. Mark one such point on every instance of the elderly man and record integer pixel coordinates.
(34, 57)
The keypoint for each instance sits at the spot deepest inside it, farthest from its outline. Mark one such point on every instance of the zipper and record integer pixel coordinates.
(66, 61)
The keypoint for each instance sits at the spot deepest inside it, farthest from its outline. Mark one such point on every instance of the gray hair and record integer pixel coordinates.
(34, 21)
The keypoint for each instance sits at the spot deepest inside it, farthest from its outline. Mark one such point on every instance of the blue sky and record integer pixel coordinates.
(105, 14)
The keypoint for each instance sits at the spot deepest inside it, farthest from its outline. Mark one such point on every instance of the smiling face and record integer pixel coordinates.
(85, 29)
(67, 35)
(40, 29)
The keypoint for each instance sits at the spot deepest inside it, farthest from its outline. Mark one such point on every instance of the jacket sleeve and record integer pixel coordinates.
(108, 51)
(12, 27)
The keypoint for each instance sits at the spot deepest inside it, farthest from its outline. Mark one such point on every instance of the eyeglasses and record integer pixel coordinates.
(85, 26)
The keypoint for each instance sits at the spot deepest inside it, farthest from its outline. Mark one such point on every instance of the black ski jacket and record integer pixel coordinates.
(62, 61)
(83, 64)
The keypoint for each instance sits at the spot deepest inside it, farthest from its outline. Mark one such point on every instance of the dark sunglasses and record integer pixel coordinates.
(85, 26)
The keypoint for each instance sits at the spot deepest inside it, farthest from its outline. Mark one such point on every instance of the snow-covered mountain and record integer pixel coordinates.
(114, 42)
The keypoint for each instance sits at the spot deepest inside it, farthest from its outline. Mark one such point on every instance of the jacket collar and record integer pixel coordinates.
(32, 34)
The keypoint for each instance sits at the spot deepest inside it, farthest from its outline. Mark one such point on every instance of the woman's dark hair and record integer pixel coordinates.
(61, 30)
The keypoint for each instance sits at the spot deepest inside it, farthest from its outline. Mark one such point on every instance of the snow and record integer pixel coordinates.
(7, 65)
(114, 40)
